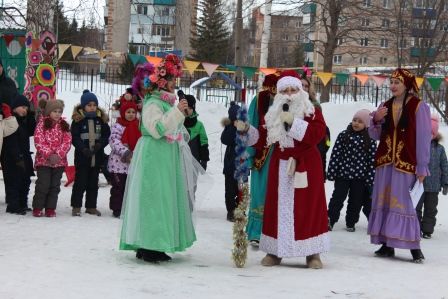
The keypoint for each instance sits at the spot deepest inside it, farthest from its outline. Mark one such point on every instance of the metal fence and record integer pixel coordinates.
(112, 84)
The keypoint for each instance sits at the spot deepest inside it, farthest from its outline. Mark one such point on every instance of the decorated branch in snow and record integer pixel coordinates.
(239, 252)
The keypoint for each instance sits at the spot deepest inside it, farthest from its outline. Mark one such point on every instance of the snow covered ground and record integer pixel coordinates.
(77, 257)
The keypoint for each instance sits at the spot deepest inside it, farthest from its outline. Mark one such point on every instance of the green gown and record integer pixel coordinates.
(157, 214)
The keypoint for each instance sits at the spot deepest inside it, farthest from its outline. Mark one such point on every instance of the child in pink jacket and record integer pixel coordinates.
(52, 140)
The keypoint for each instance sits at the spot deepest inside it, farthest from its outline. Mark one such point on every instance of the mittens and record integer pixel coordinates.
(127, 156)
(286, 117)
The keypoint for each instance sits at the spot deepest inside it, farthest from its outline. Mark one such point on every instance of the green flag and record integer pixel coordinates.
(134, 58)
(249, 71)
(434, 82)
(341, 78)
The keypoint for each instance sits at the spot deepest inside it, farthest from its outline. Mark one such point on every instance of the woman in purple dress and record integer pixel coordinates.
(403, 127)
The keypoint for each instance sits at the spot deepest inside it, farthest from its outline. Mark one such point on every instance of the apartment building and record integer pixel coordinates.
(287, 32)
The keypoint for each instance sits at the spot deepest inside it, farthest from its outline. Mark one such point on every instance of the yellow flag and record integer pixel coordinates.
(75, 51)
(61, 49)
(324, 77)
(420, 81)
(191, 66)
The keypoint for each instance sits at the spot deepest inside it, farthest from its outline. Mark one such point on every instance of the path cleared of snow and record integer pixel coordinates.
(77, 257)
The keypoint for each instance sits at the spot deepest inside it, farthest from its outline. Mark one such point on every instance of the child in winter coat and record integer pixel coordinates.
(228, 138)
(198, 137)
(123, 139)
(16, 160)
(52, 140)
(436, 181)
(351, 168)
(90, 135)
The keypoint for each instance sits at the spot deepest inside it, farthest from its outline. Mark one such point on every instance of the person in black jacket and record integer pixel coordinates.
(228, 138)
(16, 160)
(8, 88)
(90, 135)
(198, 137)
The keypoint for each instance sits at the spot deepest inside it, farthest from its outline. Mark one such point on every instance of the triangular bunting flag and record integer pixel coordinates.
(420, 81)
(209, 68)
(379, 80)
(267, 71)
(434, 82)
(324, 77)
(363, 78)
(230, 67)
(134, 58)
(154, 60)
(61, 49)
(191, 66)
(75, 51)
(21, 40)
(35, 44)
(8, 38)
(249, 71)
(341, 78)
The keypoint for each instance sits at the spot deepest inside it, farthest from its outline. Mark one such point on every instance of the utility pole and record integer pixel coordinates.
(265, 37)
(238, 43)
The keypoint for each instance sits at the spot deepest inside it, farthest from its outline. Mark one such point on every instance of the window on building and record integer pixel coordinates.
(161, 30)
(337, 59)
(165, 11)
(385, 23)
(298, 37)
(285, 24)
(284, 49)
(444, 27)
(298, 24)
(145, 10)
(140, 9)
(339, 41)
(420, 3)
(383, 60)
(386, 3)
(365, 22)
(363, 60)
(285, 37)
(364, 42)
(140, 30)
(367, 3)
(384, 43)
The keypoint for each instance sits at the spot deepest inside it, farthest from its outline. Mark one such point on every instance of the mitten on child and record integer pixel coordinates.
(127, 156)
(445, 190)
(54, 159)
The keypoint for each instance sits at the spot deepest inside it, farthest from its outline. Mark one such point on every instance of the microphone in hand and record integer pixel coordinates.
(285, 108)
(181, 96)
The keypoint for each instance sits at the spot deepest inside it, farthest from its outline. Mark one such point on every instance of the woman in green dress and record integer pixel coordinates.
(157, 215)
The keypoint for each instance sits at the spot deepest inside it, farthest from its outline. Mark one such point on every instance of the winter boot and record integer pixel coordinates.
(37, 212)
(313, 261)
(350, 229)
(152, 256)
(116, 213)
(93, 211)
(230, 216)
(76, 212)
(426, 236)
(50, 213)
(254, 243)
(330, 225)
(270, 260)
(385, 251)
(417, 256)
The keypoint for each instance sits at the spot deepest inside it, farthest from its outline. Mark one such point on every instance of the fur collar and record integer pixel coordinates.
(78, 114)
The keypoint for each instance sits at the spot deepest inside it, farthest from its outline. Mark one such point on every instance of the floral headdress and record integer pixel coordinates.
(142, 73)
(170, 67)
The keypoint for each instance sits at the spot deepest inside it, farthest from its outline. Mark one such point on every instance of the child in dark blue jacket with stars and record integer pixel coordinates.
(352, 169)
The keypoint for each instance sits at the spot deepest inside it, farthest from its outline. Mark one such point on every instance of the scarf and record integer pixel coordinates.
(131, 132)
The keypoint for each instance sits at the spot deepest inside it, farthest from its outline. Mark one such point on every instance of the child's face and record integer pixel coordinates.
(130, 114)
(56, 114)
(189, 111)
(21, 110)
(91, 107)
(357, 124)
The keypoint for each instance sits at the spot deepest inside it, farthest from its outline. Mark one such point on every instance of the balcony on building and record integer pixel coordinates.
(425, 33)
(417, 52)
(309, 8)
(164, 2)
(421, 13)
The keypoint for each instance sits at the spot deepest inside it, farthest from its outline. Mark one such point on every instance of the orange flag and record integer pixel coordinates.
(267, 71)
(154, 60)
(363, 78)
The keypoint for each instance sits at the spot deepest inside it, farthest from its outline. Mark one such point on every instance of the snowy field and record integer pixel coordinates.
(78, 257)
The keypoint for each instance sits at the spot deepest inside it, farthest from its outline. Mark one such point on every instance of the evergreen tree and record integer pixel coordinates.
(73, 32)
(210, 43)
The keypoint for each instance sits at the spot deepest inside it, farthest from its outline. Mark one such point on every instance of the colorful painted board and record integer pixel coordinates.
(12, 52)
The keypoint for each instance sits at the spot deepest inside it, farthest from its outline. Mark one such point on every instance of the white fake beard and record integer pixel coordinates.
(299, 105)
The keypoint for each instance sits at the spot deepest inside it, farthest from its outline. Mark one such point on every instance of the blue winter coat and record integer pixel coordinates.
(438, 168)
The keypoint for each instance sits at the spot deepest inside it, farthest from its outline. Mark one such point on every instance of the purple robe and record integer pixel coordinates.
(393, 219)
